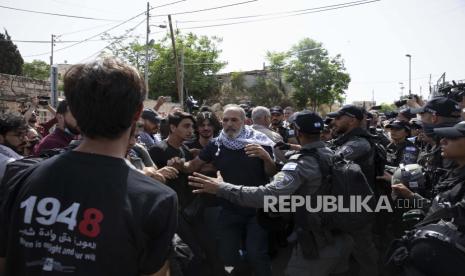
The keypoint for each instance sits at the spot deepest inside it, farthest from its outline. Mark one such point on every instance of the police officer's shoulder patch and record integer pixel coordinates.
(282, 179)
(295, 156)
(289, 166)
(347, 150)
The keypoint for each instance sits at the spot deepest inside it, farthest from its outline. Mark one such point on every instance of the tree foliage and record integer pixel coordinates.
(387, 107)
(36, 69)
(199, 54)
(316, 77)
(11, 61)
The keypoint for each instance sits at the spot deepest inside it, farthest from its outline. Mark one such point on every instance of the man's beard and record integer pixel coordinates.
(341, 130)
(233, 134)
(276, 123)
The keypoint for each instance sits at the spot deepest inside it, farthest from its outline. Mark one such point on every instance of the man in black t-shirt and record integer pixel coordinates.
(181, 126)
(191, 228)
(86, 211)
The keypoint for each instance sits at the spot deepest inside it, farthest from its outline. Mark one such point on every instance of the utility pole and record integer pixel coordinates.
(176, 61)
(146, 69)
(181, 78)
(430, 87)
(53, 44)
(409, 73)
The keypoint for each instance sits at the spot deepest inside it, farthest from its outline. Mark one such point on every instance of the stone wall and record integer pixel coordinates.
(16, 91)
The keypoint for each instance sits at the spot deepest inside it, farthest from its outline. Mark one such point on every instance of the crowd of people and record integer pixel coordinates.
(107, 187)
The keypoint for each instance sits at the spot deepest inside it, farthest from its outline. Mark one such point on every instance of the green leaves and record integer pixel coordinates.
(199, 54)
(316, 77)
(11, 61)
(36, 69)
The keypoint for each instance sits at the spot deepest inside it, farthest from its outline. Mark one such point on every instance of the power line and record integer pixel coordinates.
(107, 30)
(267, 14)
(57, 41)
(278, 17)
(207, 9)
(89, 38)
(86, 29)
(59, 14)
(118, 39)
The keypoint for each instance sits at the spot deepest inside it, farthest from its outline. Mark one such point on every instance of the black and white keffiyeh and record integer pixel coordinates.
(248, 135)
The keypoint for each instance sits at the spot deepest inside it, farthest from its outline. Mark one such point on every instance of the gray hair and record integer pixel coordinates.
(259, 113)
(235, 107)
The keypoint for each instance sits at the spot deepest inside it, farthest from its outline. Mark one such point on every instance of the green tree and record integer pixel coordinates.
(265, 93)
(316, 77)
(36, 69)
(11, 61)
(200, 56)
(277, 62)
(387, 107)
(237, 81)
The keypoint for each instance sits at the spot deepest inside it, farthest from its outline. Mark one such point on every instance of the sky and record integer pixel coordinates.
(372, 38)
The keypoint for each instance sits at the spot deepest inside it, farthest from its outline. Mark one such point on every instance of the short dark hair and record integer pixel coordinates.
(62, 107)
(104, 96)
(176, 117)
(10, 122)
(210, 116)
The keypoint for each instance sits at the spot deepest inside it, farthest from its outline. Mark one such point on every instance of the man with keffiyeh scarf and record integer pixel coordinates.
(243, 156)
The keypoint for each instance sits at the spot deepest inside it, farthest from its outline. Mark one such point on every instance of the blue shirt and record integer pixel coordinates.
(148, 140)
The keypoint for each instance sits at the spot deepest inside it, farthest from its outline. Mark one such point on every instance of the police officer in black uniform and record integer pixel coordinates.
(436, 245)
(400, 150)
(438, 112)
(300, 176)
(353, 144)
(277, 124)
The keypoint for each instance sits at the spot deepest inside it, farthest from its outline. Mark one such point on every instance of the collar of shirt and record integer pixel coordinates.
(314, 145)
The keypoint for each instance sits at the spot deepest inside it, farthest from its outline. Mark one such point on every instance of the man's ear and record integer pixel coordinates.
(138, 113)
(2, 139)
(434, 118)
(172, 128)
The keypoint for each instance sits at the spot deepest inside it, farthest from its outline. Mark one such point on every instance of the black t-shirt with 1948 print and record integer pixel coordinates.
(86, 214)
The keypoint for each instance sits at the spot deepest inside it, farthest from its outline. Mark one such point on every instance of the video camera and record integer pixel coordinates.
(192, 104)
(43, 100)
(403, 101)
(454, 90)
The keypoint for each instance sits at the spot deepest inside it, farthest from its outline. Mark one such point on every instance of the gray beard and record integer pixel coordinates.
(234, 135)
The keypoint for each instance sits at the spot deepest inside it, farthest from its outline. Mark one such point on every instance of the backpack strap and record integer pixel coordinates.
(325, 168)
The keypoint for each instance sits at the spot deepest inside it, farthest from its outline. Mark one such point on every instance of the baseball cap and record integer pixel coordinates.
(440, 106)
(276, 109)
(407, 112)
(457, 131)
(307, 122)
(416, 124)
(151, 115)
(348, 110)
(398, 125)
